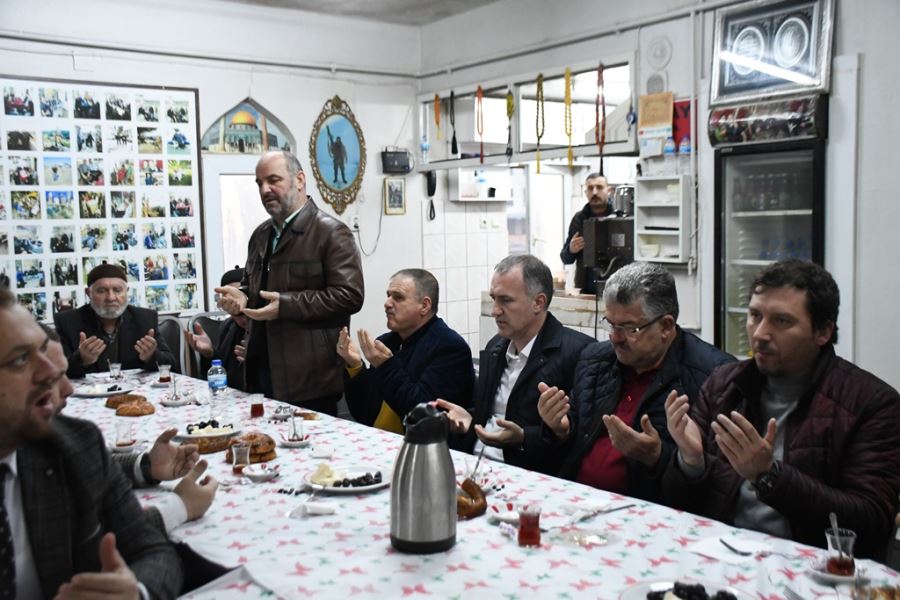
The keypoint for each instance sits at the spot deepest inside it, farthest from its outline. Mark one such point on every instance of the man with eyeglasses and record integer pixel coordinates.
(778, 442)
(108, 329)
(613, 423)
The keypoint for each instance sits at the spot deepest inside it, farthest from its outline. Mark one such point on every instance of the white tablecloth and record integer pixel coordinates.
(348, 554)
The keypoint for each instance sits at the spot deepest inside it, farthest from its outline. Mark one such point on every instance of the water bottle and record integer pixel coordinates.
(424, 147)
(218, 386)
(669, 157)
(684, 156)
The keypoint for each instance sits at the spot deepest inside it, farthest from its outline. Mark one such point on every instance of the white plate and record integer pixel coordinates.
(260, 473)
(100, 390)
(351, 472)
(159, 384)
(176, 403)
(639, 591)
(193, 436)
(817, 571)
(294, 444)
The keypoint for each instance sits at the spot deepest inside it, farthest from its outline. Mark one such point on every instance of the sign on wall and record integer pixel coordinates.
(93, 173)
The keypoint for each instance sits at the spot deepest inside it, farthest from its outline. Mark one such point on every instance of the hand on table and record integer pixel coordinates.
(460, 419)
(347, 351)
(197, 496)
(509, 435)
(146, 346)
(90, 348)
(269, 312)
(684, 430)
(553, 407)
(231, 299)
(750, 454)
(171, 461)
(644, 446)
(199, 340)
(576, 244)
(374, 351)
(115, 579)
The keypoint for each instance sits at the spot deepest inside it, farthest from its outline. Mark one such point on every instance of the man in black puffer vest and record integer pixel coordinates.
(614, 426)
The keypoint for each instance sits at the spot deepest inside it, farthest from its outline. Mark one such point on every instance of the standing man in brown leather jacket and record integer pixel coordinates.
(777, 442)
(302, 282)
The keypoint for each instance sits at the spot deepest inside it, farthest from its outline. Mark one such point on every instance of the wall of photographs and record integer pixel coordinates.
(99, 173)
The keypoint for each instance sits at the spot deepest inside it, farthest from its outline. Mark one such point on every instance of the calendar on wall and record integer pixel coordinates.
(93, 173)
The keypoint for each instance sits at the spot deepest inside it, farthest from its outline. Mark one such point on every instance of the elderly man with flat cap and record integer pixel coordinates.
(108, 329)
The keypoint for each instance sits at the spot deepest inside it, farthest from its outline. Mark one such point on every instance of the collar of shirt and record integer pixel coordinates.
(10, 461)
(279, 229)
(523, 353)
(27, 582)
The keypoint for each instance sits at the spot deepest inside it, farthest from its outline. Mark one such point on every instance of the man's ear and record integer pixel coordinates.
(823, 334)
(301, 179)
(426, 305)
(540, 302)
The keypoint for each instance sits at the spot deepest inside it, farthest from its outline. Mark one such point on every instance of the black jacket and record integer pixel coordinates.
(434, 362)
(135, 324)
(584, 276)
(552, 360)
(597, 391)
(230, 335)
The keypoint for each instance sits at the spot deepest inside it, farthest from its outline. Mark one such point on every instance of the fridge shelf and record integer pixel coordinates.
(802, 212)
(746, 262)
(659, 232)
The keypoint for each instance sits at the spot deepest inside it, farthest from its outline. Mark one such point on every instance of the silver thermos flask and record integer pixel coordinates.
(423, 486)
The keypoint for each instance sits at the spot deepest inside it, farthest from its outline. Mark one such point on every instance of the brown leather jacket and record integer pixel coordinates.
(316, 269)
(841, 453)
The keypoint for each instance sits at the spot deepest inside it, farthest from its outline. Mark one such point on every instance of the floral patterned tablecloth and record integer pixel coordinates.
(348, 554)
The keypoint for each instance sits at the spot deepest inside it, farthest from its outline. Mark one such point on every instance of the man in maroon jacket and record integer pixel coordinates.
(778, 442)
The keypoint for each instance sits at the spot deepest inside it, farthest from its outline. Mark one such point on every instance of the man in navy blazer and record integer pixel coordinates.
(419, 360)
(109, 329)
(68, 516)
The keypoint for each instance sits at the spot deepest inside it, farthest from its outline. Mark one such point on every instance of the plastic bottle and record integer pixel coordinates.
(218, 387)
(669, 158)
(684, 156)
(424, 147)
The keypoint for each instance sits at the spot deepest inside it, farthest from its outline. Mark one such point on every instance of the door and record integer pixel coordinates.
(546, 214)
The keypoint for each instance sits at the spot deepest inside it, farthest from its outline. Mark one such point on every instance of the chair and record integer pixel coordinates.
(212, 325)
(171, 331)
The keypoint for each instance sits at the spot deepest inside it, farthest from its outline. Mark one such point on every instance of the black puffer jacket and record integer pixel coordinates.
(598, 384)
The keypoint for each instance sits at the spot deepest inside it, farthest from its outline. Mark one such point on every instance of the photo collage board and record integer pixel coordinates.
(93, 173)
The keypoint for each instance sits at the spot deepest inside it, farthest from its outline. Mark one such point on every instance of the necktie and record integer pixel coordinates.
(7, 552)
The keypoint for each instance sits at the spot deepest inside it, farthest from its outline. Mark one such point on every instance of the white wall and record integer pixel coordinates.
(381, 104)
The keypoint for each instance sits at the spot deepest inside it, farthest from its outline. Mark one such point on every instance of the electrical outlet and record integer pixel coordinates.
(354, 222)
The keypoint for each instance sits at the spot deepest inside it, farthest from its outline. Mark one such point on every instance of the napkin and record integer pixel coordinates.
(323, 452)
(308, 509)
(712, 547)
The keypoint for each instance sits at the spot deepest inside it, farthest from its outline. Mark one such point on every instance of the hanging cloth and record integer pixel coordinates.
(567, 115)
(479, 121)
(539, 118)
(510, 111)
(437, 116)
(454, 148)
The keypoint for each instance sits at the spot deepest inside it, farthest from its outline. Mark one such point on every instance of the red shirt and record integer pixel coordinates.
(604, 466)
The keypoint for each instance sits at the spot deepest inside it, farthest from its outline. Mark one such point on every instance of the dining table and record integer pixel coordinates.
(281, 538)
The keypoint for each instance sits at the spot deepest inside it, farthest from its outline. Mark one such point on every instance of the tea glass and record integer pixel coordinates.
(840, 552)
(240, 458)
(530, 525)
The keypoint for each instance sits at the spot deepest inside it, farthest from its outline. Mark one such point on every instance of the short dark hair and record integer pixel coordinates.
(7, 299)
(650, 284)
(823, 298)
(425, 284)
(51, 332)
(595, 175)
(535, 273)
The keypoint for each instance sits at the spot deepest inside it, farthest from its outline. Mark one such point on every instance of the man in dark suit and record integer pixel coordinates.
(531, 347)
(69, 522)
(109, 329)
(598, 205)
(418, 360)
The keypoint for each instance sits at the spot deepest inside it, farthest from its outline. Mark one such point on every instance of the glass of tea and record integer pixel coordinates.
(530, 525)
(115, 371)
(256, 406)
(125, 432)
(165, 373)
(840, 552)
(240, 454)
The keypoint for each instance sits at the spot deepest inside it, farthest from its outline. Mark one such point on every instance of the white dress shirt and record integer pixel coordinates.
(27, 583)
(514, 365)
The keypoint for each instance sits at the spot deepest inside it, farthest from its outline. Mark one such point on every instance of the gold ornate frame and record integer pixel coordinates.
(327, 149)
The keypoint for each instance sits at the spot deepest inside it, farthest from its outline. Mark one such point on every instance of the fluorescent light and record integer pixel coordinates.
(758, 65)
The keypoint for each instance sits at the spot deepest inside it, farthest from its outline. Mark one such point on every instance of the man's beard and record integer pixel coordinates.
(109, 312)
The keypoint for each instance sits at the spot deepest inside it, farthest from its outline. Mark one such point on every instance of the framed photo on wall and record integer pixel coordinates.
(771, 48)
(394, 196)
(100, 172)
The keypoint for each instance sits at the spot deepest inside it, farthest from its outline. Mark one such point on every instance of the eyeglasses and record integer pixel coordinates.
(629, 332)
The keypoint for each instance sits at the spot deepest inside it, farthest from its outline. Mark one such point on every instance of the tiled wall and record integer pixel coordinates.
(460, 247)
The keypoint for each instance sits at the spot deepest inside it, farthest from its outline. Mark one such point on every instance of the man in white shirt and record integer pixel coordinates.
(69, 523)
(531, 347)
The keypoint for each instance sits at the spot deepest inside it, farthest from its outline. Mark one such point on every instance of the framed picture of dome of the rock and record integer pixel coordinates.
(337, 152)
(94, 173)
(247, 128)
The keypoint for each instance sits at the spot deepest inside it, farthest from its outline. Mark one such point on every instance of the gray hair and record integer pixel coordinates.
(292, 163)
(535, 273)
(425, 284)
(650, 284)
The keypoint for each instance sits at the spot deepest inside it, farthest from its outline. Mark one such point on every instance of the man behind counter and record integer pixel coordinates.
(109, 329)
(597, 191)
